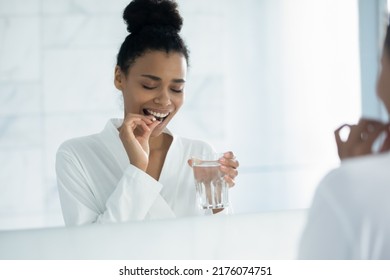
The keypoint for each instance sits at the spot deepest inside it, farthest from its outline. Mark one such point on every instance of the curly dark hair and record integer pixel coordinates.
(153, 25)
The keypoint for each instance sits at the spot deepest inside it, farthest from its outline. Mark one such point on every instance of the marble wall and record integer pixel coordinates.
(253, 88)
(56, 64)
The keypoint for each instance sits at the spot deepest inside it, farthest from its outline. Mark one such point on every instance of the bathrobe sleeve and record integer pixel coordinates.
(136, 196)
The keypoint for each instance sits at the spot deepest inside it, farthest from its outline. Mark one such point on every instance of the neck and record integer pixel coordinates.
(158, 142)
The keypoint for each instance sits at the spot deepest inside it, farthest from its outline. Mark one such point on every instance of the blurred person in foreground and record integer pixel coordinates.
(349, 216)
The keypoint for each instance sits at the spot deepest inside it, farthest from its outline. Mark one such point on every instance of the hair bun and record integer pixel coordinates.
(141, 13)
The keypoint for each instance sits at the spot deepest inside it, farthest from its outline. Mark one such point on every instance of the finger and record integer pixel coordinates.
(154, 124)
(372, 126)
(229, 155)
(229, 159)
(363, 122)
(229, 181)
(369, 128)
(129, 127)
(233, 163)
(144, 126)
(341, 127)
(151, 127)
(341, 134)
(133, 123)
(355, 136)
(371, 137)
(231, 172)
(189, 162)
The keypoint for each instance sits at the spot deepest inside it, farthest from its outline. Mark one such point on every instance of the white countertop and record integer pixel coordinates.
(272, 235)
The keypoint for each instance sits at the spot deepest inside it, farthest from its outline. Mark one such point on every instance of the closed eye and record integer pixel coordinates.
(177, 90)
(147, 87)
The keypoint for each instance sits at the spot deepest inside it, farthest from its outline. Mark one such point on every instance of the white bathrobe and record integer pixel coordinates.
(97, 183)
(350, 214)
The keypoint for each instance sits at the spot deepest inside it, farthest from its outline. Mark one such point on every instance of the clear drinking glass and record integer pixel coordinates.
(211, 187)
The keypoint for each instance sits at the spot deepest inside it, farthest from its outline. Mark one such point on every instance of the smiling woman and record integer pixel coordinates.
(136, 169)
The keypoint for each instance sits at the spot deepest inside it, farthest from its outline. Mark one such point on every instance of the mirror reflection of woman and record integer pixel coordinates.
(136, 169)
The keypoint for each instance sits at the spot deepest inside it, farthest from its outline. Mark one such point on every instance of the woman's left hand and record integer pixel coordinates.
(229, 165)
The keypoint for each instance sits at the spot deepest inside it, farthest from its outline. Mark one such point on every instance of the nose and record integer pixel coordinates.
(163, 98)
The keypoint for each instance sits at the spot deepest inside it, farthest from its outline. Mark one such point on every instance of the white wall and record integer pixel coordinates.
(269, 79)
(373, 19)
(286, 74)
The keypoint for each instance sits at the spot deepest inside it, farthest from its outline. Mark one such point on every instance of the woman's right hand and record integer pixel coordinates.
(361, 138)
(134, 134)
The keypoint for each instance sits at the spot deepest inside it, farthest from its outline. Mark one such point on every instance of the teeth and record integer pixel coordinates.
(157, 115)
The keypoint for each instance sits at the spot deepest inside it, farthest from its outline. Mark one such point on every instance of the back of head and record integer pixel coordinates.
(154, 25)
(387, 39)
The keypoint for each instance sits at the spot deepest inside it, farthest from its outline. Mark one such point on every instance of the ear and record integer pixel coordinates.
(118, 78)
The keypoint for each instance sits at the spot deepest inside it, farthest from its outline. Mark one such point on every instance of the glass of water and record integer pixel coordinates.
(211, 187)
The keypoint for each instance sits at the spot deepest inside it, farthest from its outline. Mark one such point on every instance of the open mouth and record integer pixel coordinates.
(159, 116)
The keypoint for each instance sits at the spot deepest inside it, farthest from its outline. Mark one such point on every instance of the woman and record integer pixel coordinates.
(136, 169)
(349, 217)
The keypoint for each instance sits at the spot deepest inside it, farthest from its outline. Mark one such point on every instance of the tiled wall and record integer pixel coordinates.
(254, 86)
(56, 64)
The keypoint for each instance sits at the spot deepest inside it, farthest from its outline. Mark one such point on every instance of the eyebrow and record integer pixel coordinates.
(155, 78)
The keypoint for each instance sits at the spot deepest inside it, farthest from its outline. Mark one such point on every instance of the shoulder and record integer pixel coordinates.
(79, 145)
(359, 171)
(358, 184)
(93, 142)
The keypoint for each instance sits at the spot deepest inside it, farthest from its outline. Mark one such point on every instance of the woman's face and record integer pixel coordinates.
(154, 85)
(383, 85)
